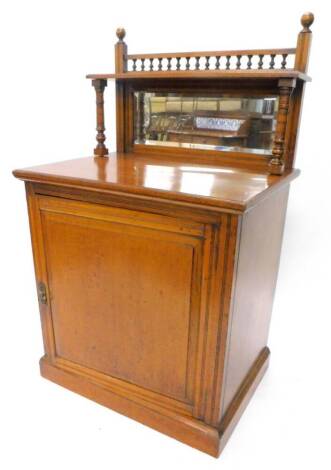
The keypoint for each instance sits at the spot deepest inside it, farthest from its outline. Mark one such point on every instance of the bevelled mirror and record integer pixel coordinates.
(245, 124)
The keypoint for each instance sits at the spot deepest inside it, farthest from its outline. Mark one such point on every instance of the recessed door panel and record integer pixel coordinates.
(124, 296)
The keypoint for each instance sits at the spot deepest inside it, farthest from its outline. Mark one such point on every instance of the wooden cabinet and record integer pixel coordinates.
(156, 270)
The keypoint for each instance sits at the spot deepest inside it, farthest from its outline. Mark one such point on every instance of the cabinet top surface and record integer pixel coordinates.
(182, 181)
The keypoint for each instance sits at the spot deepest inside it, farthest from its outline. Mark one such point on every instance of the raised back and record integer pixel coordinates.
(295, 58)
(280, 72)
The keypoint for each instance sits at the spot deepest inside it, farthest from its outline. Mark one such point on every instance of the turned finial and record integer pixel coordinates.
(307, 19)
(120, 33)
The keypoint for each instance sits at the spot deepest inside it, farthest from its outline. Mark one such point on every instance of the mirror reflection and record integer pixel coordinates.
(245, 124)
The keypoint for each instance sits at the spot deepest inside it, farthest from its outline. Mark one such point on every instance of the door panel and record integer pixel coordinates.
(124, 293)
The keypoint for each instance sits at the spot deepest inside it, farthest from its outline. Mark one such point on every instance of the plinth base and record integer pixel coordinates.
(186, 429)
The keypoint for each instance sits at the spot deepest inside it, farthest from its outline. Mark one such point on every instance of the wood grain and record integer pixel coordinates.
(146, 272)
(259, 252)
(165, 179)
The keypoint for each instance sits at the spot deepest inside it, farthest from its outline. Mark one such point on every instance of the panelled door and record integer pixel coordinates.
(125, 295)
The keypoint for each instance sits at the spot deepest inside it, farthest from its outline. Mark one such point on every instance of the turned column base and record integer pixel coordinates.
(101, 152)
(276, 167)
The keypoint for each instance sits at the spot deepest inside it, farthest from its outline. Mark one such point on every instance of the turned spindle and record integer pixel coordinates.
(238, 64)
(277, 164)
(284, 61)
(303, 43)
(188, 63)
(260, 63)
(99, 86)
(272, 61)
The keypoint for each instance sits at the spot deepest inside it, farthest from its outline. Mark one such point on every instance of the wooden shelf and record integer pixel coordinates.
(203, 74)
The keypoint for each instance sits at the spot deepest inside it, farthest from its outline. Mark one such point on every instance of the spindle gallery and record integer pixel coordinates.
(156, 264)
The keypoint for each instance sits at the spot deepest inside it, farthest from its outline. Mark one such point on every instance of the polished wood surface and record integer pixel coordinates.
(147, 315)
(217, 187)
(155, 267)
(180, 426)
(150, 304)
(259, 247)
(140, 307)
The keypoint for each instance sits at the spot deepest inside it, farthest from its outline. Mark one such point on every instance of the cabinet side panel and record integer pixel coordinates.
(259, 254)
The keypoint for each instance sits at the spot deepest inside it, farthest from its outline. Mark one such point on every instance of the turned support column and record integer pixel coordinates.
(277, 163)
(99, 86)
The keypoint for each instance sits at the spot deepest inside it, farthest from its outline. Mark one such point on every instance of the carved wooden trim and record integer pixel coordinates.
(211, 60)
(234, 53)
(99, 86)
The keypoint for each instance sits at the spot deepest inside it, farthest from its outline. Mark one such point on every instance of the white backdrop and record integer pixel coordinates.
(47, 114)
